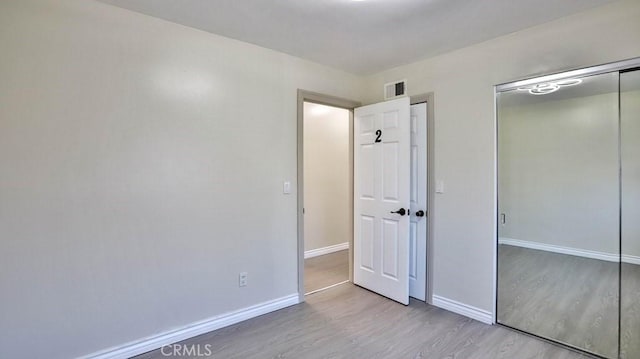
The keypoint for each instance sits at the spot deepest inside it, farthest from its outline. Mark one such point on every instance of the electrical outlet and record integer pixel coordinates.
(242, 279)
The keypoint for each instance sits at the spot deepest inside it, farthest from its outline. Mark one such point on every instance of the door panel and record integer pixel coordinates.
(630, 204)
(366, 249)
(558, 180)
(367, 168)
(366, 124)
(382, 177)
(418, 227)
(413, 254)
(390, 248)
(390, 169)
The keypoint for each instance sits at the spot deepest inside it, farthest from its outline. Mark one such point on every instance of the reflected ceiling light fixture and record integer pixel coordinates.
(549, 87)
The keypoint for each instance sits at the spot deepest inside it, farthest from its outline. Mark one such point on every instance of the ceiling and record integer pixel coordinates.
(361, 37)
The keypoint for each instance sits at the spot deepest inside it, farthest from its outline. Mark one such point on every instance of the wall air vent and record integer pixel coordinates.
(395, 89)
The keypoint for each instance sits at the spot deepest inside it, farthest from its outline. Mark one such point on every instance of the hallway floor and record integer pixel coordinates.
(326, 270)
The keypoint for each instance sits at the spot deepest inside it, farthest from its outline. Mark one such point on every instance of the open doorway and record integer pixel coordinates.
(417, 203)
(327, 192)
(344, 105)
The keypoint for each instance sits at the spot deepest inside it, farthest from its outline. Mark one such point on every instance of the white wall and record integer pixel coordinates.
(327, 216)
(558, 171)
(142, 167)
(462, 82)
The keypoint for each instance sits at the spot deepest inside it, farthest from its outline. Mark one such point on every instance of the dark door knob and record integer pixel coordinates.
(401, 212)
(420, 213)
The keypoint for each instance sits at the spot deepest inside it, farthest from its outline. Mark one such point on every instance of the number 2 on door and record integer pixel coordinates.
(379, 134)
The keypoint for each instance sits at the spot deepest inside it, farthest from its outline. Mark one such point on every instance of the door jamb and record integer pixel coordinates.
(429, 98)
(308, 96)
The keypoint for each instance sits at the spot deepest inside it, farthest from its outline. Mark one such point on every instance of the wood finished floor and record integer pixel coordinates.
(567, 298)
(323, 271)
(349, 322)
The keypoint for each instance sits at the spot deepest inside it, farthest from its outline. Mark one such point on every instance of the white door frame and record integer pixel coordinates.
(309, 96)
(419, 202)
(429, 99)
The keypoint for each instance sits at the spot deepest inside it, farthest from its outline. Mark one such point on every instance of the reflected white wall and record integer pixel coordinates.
(630, 125)
(558, 172)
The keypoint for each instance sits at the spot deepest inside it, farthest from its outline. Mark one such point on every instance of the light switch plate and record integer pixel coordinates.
(286, 187)
(439, 186)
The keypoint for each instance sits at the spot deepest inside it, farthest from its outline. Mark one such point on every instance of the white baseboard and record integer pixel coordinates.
(603, 256)
(463, 309)
(157, 341)
(326, 250)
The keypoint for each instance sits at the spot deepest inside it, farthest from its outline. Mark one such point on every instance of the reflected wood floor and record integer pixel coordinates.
(350, 322)
(630, 316)
(325, 270)
(567, 298)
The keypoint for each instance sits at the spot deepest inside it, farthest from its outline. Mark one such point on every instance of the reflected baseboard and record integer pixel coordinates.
(630, 259)
(609, 257)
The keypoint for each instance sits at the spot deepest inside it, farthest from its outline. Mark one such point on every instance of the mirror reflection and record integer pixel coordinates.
(559, 212)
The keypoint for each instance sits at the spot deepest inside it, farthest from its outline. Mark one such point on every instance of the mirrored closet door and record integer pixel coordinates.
(630, 206)
(569, 211)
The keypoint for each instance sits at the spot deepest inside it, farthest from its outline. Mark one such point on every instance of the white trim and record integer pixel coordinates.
(189, 331)
(451, 305)
(494, 252)
(610, 257)
(326, 250)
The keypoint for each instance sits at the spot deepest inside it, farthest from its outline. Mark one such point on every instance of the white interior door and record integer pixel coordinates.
(418, 226)
(381, 203)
